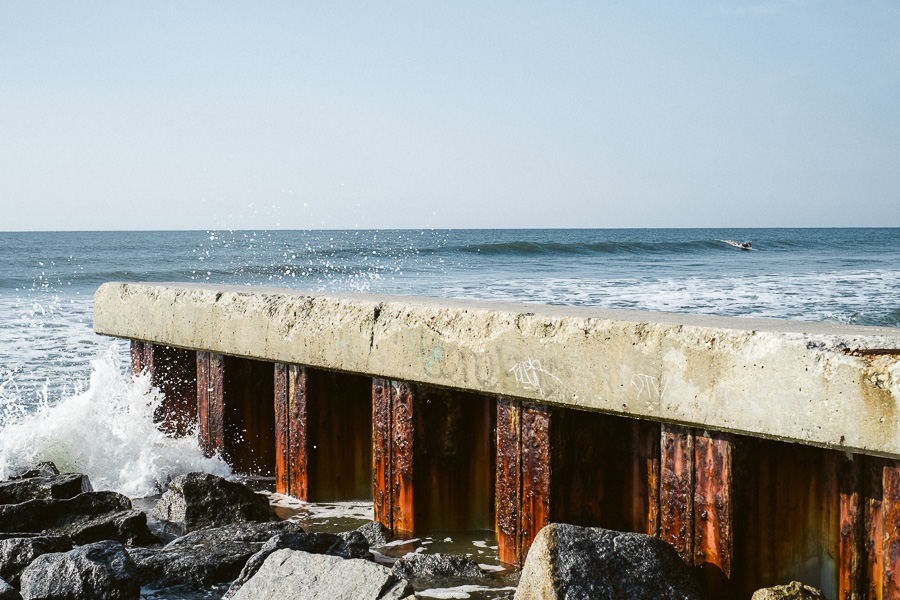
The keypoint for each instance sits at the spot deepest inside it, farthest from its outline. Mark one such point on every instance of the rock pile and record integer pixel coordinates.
(60, 539)
(214, 538)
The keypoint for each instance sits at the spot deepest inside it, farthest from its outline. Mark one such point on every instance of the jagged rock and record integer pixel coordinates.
(314, 543)
(128, 527)
(355, 546)
(438, 570)
(102, 570)
(589, 563)
(289, 574)
(38, 515)
(88, 517)
(18, 553)
(792, 591)
(7, 592)
(42, 469)
(67, 485)
(205, 557)
(198, 500)
(375, 533)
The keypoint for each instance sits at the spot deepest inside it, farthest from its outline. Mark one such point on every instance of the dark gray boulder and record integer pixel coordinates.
(314, 543)
(205, 557)
(88, 517)
(128, 527)
(375, 533)
(792, 591)
(438, 570)
(102, 570)
(589, 563)
(354, 545)
(198, 500)
(67, 485)
(290, 574)
(18, 553)
(7, 592)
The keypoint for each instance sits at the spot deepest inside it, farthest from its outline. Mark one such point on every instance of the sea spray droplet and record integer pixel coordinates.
(107, 432)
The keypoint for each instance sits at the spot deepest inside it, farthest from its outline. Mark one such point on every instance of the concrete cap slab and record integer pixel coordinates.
(823, 384)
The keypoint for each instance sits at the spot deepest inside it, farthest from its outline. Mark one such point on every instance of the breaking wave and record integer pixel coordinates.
(106, 431)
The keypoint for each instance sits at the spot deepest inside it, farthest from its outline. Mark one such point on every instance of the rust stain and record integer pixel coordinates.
(282, 431)
(137, 357)
(713, 510)
(535, 512)
(645, 477)
(676, 494)
(874, 520)
(509, 480)
(216, 402)
(402, 459)
(872, 351)
(298, 429)
(890, 508)
(203, 387)
(850, 528)
(382, 405)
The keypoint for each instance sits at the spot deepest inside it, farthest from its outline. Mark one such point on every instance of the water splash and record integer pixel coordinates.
(106, 431)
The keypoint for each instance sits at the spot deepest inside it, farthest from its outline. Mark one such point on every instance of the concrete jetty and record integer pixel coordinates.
(762, 450)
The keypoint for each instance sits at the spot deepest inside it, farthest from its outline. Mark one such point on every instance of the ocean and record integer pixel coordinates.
(50, 358)
(66, 394)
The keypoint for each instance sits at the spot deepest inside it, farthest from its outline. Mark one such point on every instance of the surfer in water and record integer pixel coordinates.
(744, 246)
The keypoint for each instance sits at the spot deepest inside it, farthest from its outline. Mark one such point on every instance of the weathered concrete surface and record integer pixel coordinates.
(816, 383)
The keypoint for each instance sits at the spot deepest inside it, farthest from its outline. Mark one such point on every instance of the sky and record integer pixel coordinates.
(421, 114)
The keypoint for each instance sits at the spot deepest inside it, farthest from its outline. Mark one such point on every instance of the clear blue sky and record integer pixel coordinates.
(196, 115)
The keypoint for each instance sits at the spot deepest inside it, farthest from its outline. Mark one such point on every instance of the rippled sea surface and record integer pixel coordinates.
(66, 395)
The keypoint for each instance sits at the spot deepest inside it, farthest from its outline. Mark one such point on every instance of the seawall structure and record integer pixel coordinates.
(762, 450)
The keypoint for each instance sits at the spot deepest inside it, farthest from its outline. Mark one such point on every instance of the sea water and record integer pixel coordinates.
(66, 394)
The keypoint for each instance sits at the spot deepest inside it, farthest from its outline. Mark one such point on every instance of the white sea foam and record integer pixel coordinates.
(106, 431)
(461, 591)
(842, 296)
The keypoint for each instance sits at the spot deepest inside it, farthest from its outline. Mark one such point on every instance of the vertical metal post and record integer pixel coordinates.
(382, 420)
(676, 495)
(211, 402)
(713, 512)
(509, 479)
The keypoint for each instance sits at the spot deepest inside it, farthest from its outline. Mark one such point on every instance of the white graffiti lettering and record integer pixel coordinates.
(528, 375)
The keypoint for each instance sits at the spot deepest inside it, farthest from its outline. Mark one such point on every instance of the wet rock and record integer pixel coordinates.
(42, 469)
(88, 517)
(438, 570)
(128, 527)
(67, 485)
(205, 557)
(7, 592)
(289, 574)
(198, 500)
(18, 553)
(102, 570)
(792, 591)
(314, 543)
(589, 563)
(375, 533)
